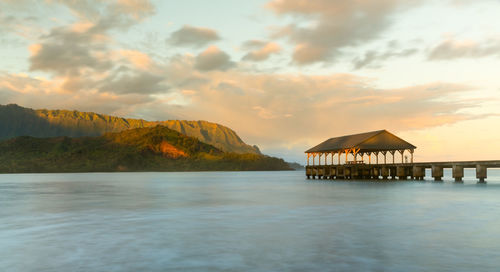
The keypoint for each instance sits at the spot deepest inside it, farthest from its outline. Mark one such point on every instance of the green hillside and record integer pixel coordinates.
(18, 121)
(143, 149)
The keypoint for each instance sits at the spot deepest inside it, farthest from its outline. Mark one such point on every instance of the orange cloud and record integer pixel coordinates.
(79, 59)
(263, 52)
(321, 106)
(139, 59)
(44, 93)
(35, 48)
(138, 9)
(81, 27)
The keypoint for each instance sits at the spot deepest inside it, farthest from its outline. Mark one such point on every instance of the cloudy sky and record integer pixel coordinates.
(284, 74)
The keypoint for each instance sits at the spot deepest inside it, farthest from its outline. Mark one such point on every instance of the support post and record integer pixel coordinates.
(411, 153)
(419, 172)
(481, 173)
(402, 156)
(385, 158)
(384, 172)
(458, 172)
(308, 156)
(392, 152)
(355, 153)
(338, 157)
(393, 171)
(375, 172)
(376, 154)
(401, 172)
(347, 172)
(347, 151)
(437, 173)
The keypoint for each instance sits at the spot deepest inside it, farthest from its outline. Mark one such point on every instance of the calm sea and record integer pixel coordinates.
(245, 221)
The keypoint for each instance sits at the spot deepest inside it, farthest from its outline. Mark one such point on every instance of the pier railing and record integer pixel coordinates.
(401, 171)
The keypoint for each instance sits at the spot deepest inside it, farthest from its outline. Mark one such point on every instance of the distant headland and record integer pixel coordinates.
(72, 141)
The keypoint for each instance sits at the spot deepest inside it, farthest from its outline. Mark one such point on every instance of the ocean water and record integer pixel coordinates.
(246, 221)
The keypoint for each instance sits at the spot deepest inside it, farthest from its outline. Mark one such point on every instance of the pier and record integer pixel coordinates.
(413, 171)
(344, 158)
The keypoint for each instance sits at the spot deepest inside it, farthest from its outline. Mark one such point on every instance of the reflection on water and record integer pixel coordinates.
(245, 221)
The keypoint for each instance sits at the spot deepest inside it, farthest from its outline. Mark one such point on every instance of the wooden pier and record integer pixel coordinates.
(404, 171)
(340, 160)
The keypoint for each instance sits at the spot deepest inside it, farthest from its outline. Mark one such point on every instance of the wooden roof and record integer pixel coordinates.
(380, 140)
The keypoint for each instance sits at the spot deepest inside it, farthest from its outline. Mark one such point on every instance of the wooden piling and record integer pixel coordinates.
(458, 173)
(437, 172)
(385, 172)
(400, 171)
(418, 172)
(481, 173)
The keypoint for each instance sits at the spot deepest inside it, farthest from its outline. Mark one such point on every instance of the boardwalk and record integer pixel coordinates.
(403, 171)
(338, 158)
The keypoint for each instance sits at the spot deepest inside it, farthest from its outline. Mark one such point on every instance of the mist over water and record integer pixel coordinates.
(246, 221)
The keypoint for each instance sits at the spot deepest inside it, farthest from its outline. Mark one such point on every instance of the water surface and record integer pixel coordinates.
(245, 221)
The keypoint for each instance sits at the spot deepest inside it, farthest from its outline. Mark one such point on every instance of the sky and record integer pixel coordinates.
(284, 74)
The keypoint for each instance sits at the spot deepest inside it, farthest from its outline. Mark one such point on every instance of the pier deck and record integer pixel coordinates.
(400, 171)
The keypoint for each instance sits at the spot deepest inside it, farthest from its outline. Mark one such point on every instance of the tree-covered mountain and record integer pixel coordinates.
(143, 149)
(19, 121)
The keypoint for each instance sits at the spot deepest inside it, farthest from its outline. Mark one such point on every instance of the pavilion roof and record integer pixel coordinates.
(380, 140)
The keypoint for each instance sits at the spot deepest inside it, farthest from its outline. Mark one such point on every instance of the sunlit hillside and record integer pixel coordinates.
(143, 149)
(19, 121)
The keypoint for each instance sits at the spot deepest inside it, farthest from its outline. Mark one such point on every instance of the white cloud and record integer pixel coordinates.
(454, 49)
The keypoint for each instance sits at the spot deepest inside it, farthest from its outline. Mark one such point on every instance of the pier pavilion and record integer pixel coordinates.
(369, 143)
(348, 149)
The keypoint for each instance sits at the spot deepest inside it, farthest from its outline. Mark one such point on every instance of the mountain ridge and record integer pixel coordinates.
(20, 121)
(142, 149)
